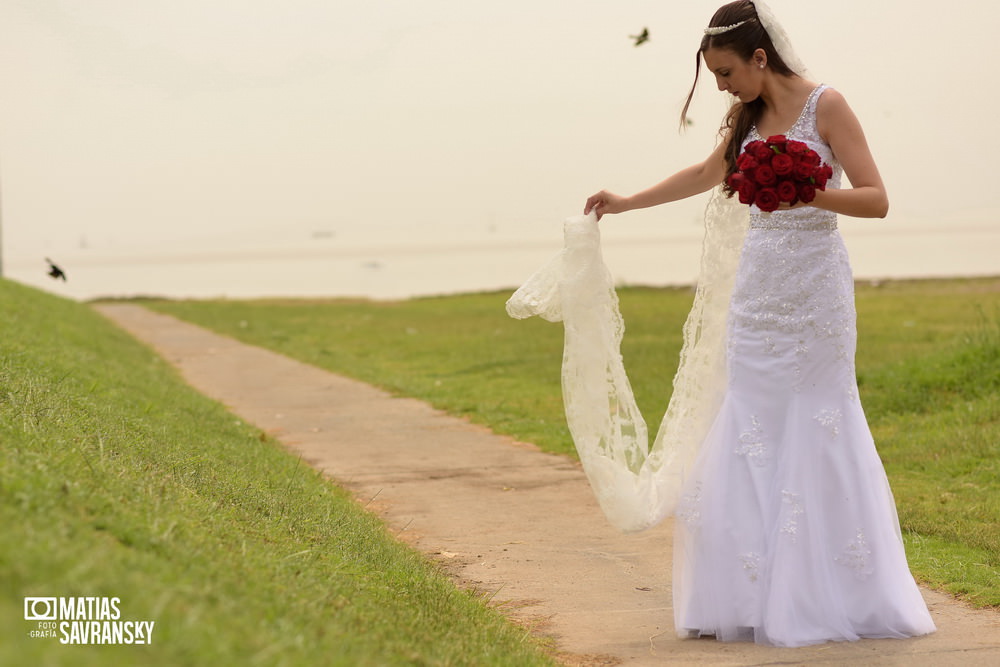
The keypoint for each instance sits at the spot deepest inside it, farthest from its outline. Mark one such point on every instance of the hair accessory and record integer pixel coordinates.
(721, 29)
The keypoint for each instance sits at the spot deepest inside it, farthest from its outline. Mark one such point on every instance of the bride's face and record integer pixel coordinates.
(741, 78)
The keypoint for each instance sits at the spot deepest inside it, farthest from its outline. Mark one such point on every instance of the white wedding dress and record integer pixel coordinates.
(786, 532)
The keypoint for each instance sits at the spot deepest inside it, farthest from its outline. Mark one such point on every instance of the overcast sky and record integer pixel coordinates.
(142, 124)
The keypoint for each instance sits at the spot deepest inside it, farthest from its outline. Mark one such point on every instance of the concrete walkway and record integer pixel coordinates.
(503, 517)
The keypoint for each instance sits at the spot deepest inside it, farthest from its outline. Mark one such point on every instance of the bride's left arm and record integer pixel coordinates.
(840, 128)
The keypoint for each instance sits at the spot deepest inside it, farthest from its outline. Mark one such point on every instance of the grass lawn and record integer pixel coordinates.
(928, 366)
(118, 480)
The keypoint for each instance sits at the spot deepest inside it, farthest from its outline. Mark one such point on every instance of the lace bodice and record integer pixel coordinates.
(805, 217)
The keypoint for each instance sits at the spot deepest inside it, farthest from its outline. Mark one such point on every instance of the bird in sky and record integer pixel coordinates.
(55, 271)
(641, 38)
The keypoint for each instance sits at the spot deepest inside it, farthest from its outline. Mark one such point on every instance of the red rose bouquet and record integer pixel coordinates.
(776, 171)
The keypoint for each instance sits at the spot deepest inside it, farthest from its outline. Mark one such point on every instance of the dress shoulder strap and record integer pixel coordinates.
(805, 126)
(815, 95)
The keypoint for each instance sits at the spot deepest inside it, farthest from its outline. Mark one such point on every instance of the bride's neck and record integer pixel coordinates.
(783, 95)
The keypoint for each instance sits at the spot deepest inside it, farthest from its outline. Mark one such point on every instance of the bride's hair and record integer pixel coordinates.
(743, 40)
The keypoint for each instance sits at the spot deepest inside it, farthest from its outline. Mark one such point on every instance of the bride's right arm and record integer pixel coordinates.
(694, 180)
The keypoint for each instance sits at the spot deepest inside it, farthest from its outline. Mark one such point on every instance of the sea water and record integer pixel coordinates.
(398, 268)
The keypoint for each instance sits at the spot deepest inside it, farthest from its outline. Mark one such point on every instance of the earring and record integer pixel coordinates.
(762, 65)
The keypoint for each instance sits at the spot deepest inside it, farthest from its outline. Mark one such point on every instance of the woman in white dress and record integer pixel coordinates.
(786, 530)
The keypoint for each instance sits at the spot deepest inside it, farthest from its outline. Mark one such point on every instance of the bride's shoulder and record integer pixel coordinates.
(831, 103)
(833, 111)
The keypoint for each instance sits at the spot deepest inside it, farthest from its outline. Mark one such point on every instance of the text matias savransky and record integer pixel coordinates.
(85, 620)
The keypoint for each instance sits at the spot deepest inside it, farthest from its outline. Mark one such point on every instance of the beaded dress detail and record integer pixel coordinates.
(787, 531)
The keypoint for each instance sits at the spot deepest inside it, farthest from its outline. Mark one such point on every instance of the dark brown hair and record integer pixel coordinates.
(743, 41)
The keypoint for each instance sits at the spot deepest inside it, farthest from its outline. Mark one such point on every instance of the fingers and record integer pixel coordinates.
(604, 202)
(598, 201)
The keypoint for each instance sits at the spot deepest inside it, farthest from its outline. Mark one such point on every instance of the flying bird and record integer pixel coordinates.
(642, 37)
(55, 271)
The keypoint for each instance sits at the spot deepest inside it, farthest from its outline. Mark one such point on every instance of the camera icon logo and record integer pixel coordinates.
(40, 609)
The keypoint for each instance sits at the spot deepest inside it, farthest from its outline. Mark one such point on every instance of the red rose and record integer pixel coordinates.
(748, 191)
(778, 141)
(746, 162)
(796, 148)
(734, 180)
(807, 193)
(787, 192)
(767, 200)
(782, 163)
(764, 175)
(752, 146)
(812, 157)
(803, 171)
(762, 152)
(823, 174)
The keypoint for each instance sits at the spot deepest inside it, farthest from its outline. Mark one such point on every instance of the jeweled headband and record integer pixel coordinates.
(724, 28)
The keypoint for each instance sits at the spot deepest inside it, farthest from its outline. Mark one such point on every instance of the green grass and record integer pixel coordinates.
(927, 364)
(118, 480)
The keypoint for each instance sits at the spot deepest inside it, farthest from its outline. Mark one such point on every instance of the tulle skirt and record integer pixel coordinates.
(786, 532)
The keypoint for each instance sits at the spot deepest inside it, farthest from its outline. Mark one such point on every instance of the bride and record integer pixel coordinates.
(786, 530)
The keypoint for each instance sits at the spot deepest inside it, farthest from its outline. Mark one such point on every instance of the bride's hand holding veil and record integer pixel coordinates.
(605, 202)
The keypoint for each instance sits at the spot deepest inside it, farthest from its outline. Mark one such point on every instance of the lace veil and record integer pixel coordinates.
(638, 484)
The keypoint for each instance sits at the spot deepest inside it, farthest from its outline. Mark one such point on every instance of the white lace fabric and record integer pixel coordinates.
(636, 484)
